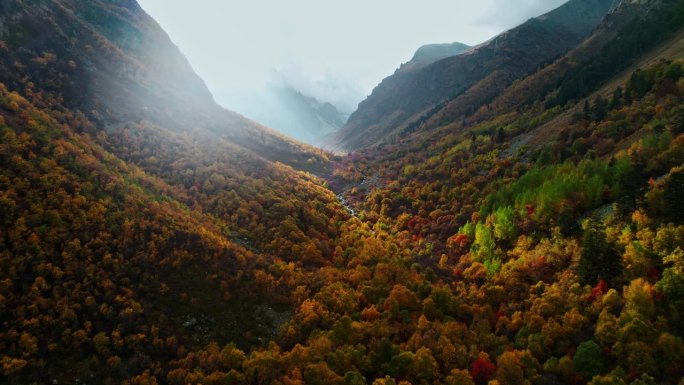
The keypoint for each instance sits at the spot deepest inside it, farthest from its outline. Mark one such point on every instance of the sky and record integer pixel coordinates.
(336, 51)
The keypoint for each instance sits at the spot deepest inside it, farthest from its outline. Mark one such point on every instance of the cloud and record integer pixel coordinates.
(339, 89)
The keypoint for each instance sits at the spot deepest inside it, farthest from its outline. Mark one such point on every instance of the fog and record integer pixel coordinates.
(335, 51)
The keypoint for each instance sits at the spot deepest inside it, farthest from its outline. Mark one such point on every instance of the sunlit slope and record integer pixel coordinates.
(133, 207)
(112, 62)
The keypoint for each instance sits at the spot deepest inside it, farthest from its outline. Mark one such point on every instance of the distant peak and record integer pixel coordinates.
(432, 53)
(443, 49)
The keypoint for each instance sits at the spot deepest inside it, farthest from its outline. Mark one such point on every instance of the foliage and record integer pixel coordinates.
(598, 261)
(139, 254)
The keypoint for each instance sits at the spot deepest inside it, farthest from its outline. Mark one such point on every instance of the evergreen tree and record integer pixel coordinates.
(599, 260)
(600, 109)
(586, 110)
(587, 359)
(674, 196)
(500, 135)
(617, 98)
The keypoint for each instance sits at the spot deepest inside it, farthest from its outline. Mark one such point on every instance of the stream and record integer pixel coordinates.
(340, 197)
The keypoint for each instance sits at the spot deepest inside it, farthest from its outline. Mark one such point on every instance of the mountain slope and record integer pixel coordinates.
(432, 53)
(138, 217)
(555, 230)
(111, 61)
(490, 67)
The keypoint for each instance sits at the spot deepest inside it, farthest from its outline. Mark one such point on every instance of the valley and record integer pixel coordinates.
(510, 213)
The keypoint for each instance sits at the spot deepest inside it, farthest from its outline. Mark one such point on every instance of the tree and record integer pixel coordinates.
(509, 370)
(638, 84)
(385, 381)
(483, 369)
(500, 135)
(320, 374)
(599, 109)
(354, 378)
(231, 357)
(672, 284)
(587, 360)
(342, 331)
(504, 225)
(483, 247)
(616, 102)
(459, 377)
(645, 379)
(598, 259)
(586, 110)
(11, 365)
(400, 364)
(295, 378)
(639, 299)
(609, 379)
(673, 195)
(424, 366)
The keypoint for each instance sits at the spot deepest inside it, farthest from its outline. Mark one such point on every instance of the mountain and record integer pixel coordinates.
(138, 217)
(533, 239)
(490, 67)
(294, 114)
(111, 61)
(431, 53)
(607, 36)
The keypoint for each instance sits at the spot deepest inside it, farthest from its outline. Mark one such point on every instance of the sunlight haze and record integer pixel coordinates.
(334, 51)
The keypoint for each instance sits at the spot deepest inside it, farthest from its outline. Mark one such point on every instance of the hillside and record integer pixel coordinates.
(399, 100)
(137, 214)
(536, 239)
(111, 61)
(617, 39)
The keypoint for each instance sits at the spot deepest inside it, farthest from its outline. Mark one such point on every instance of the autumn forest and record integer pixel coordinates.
(526, 228)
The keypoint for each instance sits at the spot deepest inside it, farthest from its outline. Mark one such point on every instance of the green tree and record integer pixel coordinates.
(483, 247)
(599, 109)
(400, 364)
(354, 378)
(598, 260)
(424, 367)
(504, 225)
(639, 84)
(588, 360)
(672, 285)
(673, 195)
(342, 331)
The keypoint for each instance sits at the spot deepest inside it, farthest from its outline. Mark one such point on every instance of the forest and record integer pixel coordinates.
(539, 244)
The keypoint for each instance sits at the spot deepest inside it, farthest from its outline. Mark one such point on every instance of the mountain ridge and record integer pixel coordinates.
(399, 101)
(431, 53)
(139, 75)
